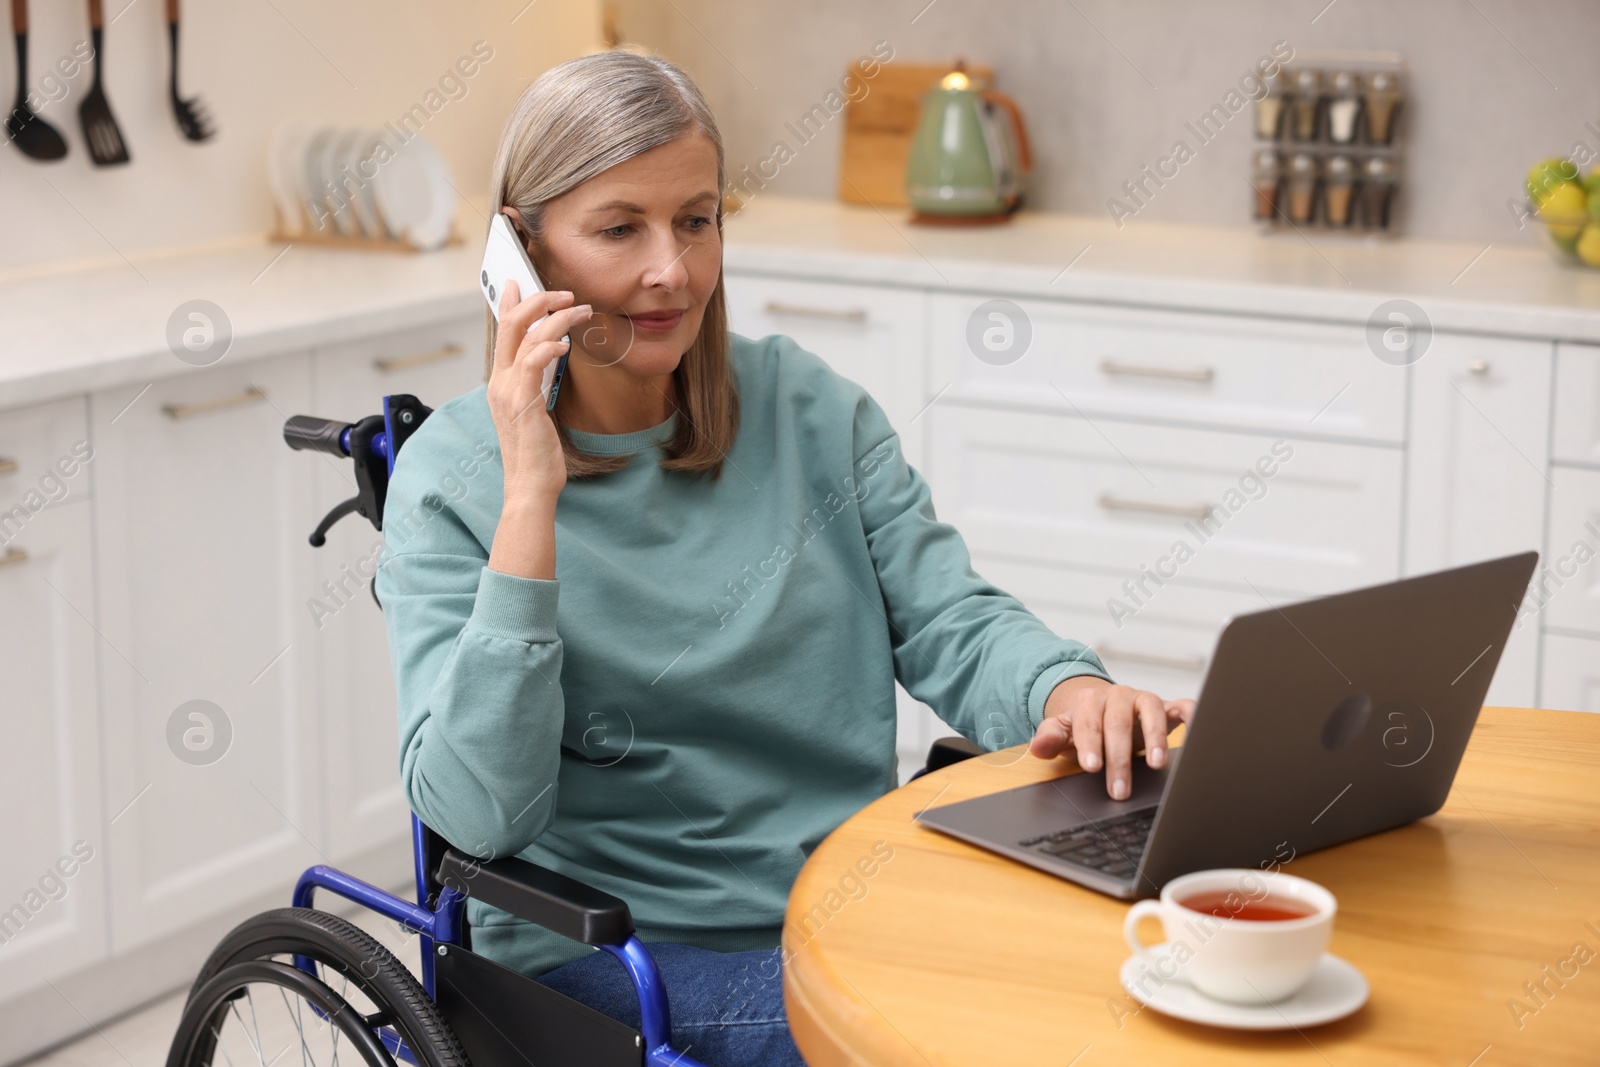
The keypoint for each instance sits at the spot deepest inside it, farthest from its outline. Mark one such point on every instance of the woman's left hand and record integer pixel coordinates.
(1107, 723)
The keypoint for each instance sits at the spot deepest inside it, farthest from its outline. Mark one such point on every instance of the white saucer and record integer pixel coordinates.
(1335, 990)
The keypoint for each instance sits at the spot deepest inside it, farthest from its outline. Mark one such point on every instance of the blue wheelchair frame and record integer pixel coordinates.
(444, 922)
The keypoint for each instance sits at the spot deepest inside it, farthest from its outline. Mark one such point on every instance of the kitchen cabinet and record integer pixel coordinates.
(872, 335)
(208, 710)
(1102, 493)
(1478, 471)
(1571, 673)
(1577, 404)
(1566, 592)
(52, 883)
(1219, 371)
(358, 729)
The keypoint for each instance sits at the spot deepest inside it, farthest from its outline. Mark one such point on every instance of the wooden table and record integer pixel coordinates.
(904, 946)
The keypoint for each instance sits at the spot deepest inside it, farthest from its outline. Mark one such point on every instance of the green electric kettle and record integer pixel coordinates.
(969, 154)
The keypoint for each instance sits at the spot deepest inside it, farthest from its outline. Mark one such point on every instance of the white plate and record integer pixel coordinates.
(414, 193)
(311, 181)
(283, 157)
(358, 189)
(363, 150)
(334, 188)
(1335, 990)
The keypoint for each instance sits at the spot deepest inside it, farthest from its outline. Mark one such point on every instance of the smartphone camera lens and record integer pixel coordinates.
(492, 295)
(484, 275)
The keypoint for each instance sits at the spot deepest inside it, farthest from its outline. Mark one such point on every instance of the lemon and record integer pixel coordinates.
(1594, 202)
(1588, 246)
(1550, 174)
(1591, 181)
(1563, 209)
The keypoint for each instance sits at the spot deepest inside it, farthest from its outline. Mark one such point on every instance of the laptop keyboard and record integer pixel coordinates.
(1112, 846)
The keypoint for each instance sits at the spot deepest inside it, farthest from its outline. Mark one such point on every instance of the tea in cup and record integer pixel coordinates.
(1236, 934)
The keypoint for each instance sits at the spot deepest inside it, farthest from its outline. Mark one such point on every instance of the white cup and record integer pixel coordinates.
(1243, 961)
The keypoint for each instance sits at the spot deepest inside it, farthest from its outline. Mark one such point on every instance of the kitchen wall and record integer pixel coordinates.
(1107, 85)
(254, 64)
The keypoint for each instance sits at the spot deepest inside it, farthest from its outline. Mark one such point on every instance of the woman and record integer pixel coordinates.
(744, 564)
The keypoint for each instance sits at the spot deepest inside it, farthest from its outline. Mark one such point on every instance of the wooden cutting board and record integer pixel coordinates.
(878, 129)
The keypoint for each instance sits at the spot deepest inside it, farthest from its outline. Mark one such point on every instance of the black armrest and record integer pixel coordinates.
(947, 750)
(540, 895)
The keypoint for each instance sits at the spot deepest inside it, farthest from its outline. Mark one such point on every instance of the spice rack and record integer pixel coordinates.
(1328, 144)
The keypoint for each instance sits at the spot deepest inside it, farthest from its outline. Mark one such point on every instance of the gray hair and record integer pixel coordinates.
(585, 116)
(574, 121)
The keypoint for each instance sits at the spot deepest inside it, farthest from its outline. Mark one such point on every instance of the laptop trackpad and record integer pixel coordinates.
(1046, 807)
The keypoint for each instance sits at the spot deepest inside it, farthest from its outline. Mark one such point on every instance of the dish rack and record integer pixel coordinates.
(370, 188)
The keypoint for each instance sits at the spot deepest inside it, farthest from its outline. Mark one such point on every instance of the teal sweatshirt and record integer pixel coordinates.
(706, 688)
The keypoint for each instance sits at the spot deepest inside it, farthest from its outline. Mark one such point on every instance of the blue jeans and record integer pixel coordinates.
(726, 1007)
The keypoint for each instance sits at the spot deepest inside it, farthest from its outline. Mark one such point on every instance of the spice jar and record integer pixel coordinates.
(1338, 185)
(1270, 110)
(1267, 178)
(1383, 105)
(1305, 107)
(1377, 193)
(1302, 187)
(1344, 107)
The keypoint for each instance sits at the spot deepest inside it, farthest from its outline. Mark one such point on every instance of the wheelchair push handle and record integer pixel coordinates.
(370, 443)
(305, 433)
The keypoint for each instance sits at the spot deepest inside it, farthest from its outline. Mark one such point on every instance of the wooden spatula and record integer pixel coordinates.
(100, 130)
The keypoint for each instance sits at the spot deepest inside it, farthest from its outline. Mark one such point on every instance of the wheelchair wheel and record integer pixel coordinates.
(250, 1004)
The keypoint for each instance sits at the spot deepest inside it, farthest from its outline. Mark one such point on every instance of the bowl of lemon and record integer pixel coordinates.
(1569, 206)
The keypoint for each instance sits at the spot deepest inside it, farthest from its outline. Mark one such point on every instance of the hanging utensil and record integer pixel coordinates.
(100, 130)
(34, 137)
(193, 119)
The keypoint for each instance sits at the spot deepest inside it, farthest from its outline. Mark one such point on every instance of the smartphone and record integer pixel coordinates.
(504, 258)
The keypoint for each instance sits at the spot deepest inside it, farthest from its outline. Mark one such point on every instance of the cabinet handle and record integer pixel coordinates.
(1137, 370)
(838, 314)
(1480, 367)
(14, 555)
(183, 411)
(1182, 663)
(7, 466)
(390, 364)
(1155, 507)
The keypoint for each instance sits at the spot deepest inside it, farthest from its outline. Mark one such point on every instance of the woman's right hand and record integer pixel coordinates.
(527, 341)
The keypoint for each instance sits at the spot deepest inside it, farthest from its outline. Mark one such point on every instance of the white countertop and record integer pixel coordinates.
(76, 328)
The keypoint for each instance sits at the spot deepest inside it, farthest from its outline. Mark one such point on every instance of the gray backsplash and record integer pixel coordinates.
(1107, 88)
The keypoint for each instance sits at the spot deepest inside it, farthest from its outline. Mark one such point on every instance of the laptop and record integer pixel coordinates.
(1318, 722)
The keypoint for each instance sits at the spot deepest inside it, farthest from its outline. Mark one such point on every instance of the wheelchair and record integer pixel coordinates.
(338, 984)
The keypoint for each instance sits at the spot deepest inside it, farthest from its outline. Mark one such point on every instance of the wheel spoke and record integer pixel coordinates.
(305, 1053)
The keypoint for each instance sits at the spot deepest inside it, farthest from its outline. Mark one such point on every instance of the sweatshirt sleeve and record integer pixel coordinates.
(966, 648)
(477, 667)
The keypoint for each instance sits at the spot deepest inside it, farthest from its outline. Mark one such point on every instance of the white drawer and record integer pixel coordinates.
(1061, 490)
(1567, 583)
(1577, 408)
(869, 334)
(42, 460)
(433, 362)
(1165, 646)
(1218, 370)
